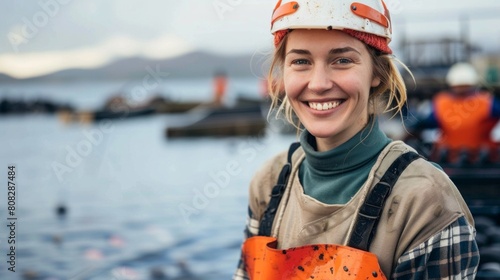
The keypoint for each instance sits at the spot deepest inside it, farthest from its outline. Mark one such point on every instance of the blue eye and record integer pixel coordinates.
(343, 61)
(300, 62)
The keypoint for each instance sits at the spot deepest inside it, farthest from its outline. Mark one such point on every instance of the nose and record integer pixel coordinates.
(320, 80)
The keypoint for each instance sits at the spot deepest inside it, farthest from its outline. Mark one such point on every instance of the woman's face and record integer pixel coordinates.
(327, 76)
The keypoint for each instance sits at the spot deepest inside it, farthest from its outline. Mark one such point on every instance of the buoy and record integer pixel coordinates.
(61, 210)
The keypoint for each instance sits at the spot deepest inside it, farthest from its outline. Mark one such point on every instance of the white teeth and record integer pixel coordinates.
(323, 106)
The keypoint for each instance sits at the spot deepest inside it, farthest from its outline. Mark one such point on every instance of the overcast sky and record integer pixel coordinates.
(49, 35)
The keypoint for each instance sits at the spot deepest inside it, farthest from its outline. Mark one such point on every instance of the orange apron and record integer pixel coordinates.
(264, 262)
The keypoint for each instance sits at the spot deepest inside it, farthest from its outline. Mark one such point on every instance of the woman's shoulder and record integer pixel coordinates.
(265, 178)
(424, 197)
(268, 172)
(396, 148)
(271, 166)
(423, 182)
(421, 176)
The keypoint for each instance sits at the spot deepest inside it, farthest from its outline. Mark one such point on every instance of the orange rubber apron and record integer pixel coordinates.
(265, 262)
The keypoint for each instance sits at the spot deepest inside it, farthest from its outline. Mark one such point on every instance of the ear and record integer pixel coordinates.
(375, 81)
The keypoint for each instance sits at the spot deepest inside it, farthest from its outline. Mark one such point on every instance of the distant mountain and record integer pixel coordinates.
(4, 77)
(194, 64)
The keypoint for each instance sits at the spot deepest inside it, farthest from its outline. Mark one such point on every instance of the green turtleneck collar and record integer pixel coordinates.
(335, 176)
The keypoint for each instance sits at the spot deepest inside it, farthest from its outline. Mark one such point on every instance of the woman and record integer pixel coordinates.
(349, 193)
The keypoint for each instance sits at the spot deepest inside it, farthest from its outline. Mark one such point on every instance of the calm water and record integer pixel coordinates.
(137, 203)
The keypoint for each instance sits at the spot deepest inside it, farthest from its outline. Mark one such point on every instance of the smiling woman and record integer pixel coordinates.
(348, 203)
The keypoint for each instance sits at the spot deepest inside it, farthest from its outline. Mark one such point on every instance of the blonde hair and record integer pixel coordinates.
(389, 96)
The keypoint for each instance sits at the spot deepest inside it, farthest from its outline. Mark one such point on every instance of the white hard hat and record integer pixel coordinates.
(462, 74)
(368, 16)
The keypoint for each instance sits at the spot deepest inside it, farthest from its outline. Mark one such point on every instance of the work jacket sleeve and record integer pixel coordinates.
(259, 196)
(425, 122)
(495, 108)
(450, 254)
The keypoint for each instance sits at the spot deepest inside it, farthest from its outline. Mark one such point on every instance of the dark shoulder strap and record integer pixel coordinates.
(370, 211)
(267, 220)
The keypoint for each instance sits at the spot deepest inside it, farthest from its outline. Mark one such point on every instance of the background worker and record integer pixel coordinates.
(465, 115)
(219, 87)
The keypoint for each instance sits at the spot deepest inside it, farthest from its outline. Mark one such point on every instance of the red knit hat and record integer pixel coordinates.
(377, 42)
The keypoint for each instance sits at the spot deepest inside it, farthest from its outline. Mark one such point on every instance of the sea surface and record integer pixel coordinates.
(117, 199)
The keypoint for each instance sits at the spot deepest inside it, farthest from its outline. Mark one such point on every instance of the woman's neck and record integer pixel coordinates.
(327, 144)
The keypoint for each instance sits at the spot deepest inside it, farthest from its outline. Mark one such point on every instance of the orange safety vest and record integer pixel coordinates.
(220, 86)
(264, 262)
(465, 122)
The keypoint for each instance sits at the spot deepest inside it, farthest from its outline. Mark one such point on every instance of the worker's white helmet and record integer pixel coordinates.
(462, 74)
(369, 16)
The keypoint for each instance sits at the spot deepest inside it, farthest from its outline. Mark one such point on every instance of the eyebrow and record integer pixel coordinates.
(332, 51)
(298, 51)
(343, 50)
